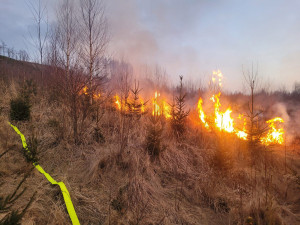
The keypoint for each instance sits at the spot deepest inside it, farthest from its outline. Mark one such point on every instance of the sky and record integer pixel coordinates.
(190, 37)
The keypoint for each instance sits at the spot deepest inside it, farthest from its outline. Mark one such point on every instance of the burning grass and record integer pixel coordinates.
(222, 121)
(210, 177)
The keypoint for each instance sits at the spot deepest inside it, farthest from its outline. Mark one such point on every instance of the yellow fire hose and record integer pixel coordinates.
(62, 186)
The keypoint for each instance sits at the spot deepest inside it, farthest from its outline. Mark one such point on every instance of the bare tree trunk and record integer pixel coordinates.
(67, 38)
(255, 129)
(124, 87)
(38, 11)
(94, 38)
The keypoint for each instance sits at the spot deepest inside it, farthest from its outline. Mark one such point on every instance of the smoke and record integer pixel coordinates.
(280, 109)
(289, 111)
(293, 108)
(155, 34)
(129, 39)
(195, 37)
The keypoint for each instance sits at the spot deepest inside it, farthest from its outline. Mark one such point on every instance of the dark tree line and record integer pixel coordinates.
(21, 55)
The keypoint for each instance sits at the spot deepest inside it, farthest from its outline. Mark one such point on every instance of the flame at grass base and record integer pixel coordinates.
(202, 115)
(118, 103)
(160, 107)
(85, 91)
(242, 134)
(224, 122)
(274, 135)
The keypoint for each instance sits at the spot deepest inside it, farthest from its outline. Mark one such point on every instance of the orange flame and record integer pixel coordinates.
(217, 77)
(166, 110)
(223, 120)
(274, 135)
(160, 107)
(156, 108)
(142, 106)
(123, 106)
(84, 90)
(242, 133)
(96, 96)
(118, 103)
(201, 113)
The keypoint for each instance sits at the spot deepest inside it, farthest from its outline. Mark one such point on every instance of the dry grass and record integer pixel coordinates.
(188, 184)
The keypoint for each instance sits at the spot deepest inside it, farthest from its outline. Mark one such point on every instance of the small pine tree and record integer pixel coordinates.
(28, 90)
(7, 202)
(20, 106)
(135, 105)
(31, 152)
(154, 137)
(178, 113)
(19, 109)
(222, 160)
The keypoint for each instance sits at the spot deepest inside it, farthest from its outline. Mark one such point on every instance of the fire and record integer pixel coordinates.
(142, 106)
(96, 96)
(223, 121)
(156, 108)
(117, 102)
(128, 106)
(160, 107)
(217, 77)
(84, 90)
(166, 110)
(242, 133)
(274, 135)
(201, 113)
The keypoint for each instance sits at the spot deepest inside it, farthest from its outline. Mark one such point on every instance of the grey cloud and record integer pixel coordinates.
(192, 37)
